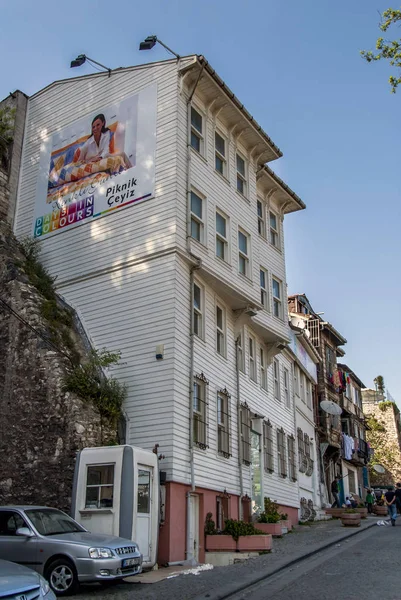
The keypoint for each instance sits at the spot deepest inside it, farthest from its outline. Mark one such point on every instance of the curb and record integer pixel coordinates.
(246, 582)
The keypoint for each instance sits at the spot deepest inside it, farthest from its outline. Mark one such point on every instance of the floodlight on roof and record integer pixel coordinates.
(149, 42)
(81, 58)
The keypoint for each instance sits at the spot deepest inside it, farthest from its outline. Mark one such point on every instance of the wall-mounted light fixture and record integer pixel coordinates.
(149, 42)
(82, 58)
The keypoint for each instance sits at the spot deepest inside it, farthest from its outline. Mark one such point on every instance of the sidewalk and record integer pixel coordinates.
(215, 584)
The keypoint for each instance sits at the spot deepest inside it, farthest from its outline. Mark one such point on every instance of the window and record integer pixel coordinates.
(99, 486)
(296, 380)
(287, 388)
(261, 218)
(268, 446)
(199, 412)
(240, 354)
(264, 297)
(351, 481)
(221, 511)
(197, 140)
(291, 458)
(220, 154)
(330, 362)
(197, 210)
(220, 330)
(276, 377)
(277, 298)
(223, 423)
(198, 311)
(243, 253)
(302, 386)
(274, 237)
(307, 445)
(241, 174)
(252, 361)
(246, 433)
(10, 521)
(281, 453)
(301, 444)
(144, 491)
(221, 237)
(263, 370)
(308, 394)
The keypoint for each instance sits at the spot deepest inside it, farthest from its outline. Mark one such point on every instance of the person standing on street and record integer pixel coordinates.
(398, 496)
(390, 499)
(370, 501)
(334, 491)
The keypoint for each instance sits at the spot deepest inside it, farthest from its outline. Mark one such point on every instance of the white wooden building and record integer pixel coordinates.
(187, 285)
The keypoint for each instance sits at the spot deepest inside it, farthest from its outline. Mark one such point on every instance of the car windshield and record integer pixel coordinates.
(49, 521)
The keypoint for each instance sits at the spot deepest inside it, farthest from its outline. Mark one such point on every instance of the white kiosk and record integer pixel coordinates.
(116, 491)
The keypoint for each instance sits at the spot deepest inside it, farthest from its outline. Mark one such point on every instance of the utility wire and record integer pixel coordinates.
(38, 333)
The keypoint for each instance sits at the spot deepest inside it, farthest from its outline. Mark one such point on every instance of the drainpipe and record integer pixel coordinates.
(189, 551)
(241, 481)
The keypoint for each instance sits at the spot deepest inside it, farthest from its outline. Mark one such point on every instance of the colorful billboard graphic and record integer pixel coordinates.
(102, 163)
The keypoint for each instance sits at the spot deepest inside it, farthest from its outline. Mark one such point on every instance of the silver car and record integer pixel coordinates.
(17, 582)
(65, 553)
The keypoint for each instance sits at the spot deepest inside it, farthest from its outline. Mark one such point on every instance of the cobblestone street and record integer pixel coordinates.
(303, 540)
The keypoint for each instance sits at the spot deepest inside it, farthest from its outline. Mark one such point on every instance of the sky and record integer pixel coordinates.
(297, 69)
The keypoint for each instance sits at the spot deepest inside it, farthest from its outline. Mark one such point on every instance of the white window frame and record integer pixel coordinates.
(276, 379)
(220, 331)
(296, 380)
(219, 155)
(223, 422)
(308, 393)
(199, 220)
(282, 453)
(252, 358)
(261, 217)
(274, 232)
(242, 255)
(224, 240)
(199, 312)
(200, 411)
(277, 300)
(263, 369)
(241, 176)
(99, 487)
(199, 134)
(264, 291)
(240, 348)
(286, 378)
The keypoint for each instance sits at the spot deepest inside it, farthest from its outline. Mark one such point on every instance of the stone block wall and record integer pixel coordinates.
(41, 427)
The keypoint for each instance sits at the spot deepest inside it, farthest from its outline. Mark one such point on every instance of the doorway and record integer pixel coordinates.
(144, 511)
(194, 527)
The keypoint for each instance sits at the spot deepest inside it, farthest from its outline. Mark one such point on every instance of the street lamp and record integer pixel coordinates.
(81, 58)
(150, 42)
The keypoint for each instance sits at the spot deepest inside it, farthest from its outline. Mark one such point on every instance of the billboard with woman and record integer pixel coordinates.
(97, 164)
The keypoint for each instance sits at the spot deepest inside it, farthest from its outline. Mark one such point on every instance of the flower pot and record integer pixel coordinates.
(334, 512)
(220, 543)
(351, 519)
(286, 525)
(363, 512)
(271, 528)
(380, 511)
(254, 543)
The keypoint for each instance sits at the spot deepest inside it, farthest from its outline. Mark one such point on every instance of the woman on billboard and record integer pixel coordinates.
(97, 146)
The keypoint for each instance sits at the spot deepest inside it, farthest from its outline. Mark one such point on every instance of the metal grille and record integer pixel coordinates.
(200, 412)
(268, 446)
(314, 330)
(292, 458)
(125, 550)
(281, 452)
(246, 433)
(223, 423)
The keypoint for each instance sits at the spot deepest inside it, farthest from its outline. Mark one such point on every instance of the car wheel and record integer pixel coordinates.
(62, 577)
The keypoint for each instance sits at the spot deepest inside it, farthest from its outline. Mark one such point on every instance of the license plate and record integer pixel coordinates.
(131, 562)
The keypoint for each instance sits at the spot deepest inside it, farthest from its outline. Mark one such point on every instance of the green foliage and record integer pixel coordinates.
(385, 453)
(352, 511)
(7, 116)
(59, 319)
(387, 404)
(270, 513)
(389, 50)
(283, 516)
(210, 525)
(239, 528)
(379, 382)
(90, 384)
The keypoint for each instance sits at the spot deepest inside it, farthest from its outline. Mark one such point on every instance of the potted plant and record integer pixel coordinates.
(334, 512)
(285, 522)
(217, 541)
(269, 521)
(363, 511)
(351, 518)
(247, 537)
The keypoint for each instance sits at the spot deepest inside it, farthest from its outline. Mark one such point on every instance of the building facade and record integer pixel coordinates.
(188, 283)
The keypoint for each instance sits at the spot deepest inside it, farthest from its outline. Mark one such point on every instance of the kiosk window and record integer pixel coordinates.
(99, 486)
(143, 491)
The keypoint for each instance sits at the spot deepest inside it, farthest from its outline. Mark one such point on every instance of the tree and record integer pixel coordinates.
(386, 453)
(379, 381)
(7, 115)
(388, 49)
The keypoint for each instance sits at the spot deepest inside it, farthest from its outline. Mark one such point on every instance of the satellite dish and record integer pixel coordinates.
(331, 407)
(379, 468)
